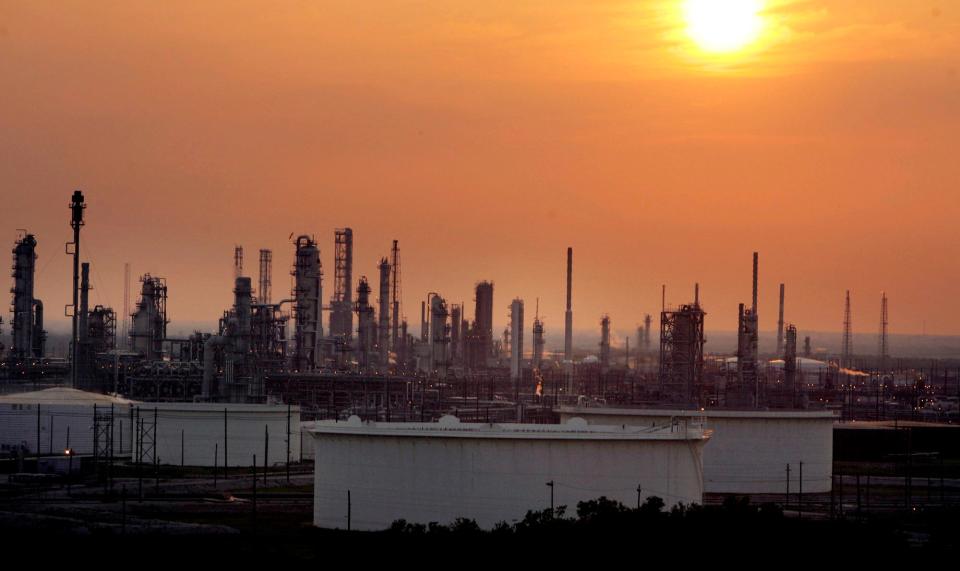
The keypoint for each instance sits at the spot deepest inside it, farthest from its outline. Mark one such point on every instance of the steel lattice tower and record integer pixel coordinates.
(266, 276)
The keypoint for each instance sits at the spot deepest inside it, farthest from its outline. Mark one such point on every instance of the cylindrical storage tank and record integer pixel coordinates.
(426, 472)
(202, 434)
(749, 449)
(52, 420)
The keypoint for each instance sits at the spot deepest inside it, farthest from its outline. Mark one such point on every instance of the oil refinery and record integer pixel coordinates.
(392, 417)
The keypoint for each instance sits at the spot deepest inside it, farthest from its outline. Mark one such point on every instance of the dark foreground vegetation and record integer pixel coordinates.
(598, 528)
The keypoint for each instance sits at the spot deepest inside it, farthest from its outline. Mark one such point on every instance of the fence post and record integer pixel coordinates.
(156, 455)
(37, 467)
(225, 439)
(254, 493)
(859, 506)
(288, 445)
(787, 497)
(800, 492)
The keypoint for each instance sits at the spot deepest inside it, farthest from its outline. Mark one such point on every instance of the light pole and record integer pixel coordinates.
(550, 485)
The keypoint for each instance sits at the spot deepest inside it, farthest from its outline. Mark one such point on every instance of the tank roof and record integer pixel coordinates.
(451, 427)
(62, 396)
(708, 413)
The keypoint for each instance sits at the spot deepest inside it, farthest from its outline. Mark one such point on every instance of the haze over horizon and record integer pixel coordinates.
(487, 139)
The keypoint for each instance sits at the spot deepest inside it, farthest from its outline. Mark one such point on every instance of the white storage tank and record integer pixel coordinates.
(437, 472)
(44, 418)
(190, 433)
(201, 434)
(749, 449)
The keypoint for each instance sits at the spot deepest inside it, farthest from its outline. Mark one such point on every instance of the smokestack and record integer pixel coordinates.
(605, 344)
(568, 326)
(77, 205)
(847, 348)
(125, 332)
(84, 300)
(696, 294)
(394, 295)
(516, 343)
(383, 313)
(884, 350)
(647, 320)
(423, 321)
(755, 259)
(780, 324)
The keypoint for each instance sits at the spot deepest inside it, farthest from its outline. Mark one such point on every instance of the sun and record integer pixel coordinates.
(723, 26)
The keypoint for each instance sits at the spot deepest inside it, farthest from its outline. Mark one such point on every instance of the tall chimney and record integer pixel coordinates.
(84, 301)
(568, 328)
(77, 205)
(755, 257)
(780, 324)
(423, 321)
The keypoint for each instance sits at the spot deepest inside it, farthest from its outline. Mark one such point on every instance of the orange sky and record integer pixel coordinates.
(488, 136)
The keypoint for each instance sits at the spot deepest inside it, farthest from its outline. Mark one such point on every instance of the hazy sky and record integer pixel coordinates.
(489, 136)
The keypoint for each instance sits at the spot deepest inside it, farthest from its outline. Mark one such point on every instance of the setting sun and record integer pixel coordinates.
(722, 26)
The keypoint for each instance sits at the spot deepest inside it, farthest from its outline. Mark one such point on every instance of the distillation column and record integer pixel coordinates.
(307, 292)
(605, 344)
(516, 340)
(25, 306)
(439, 335)
(365, 325)
(383, 316)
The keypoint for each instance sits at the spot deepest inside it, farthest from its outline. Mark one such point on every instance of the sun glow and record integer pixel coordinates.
(723, 26)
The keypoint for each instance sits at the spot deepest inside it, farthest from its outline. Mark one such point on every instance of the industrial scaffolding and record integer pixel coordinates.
(341, 306)
(150, 320)
(681, 353)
